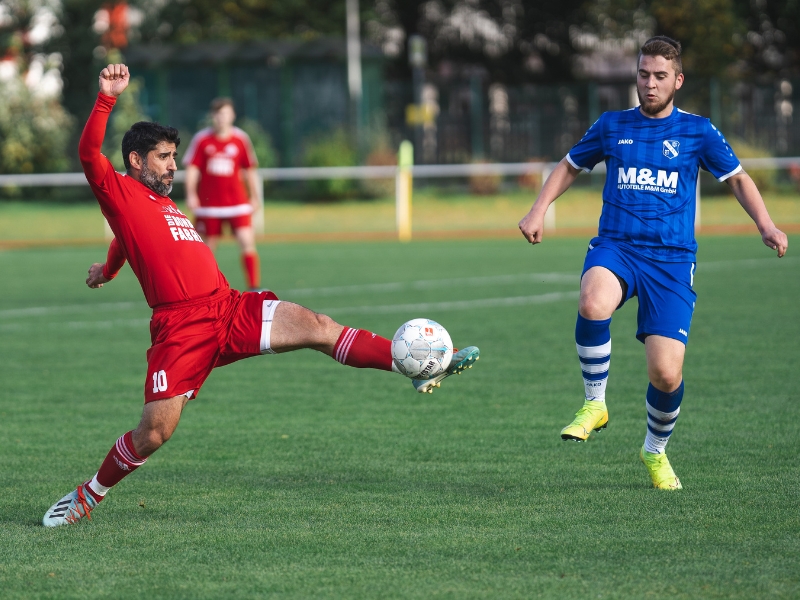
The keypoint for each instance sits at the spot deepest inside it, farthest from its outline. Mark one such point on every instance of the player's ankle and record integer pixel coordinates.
(87, 488)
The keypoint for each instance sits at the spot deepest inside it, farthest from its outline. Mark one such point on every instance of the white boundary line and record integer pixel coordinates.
(393, 286)
(455, 304)
(373, 310)
(432, 284)
(423, 284)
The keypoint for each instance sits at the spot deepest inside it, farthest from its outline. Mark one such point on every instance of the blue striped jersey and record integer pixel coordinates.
(650, 190)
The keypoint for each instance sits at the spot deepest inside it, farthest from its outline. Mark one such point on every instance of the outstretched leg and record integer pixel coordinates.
(294, 327)
(159, 420)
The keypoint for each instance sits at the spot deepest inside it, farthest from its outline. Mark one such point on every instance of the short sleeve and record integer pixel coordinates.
(717, 156)
(589, 151)
(247, 158)
(193, 155)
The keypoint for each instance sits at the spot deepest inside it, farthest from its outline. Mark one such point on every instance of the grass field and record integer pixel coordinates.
(579, 208)
(293, 476)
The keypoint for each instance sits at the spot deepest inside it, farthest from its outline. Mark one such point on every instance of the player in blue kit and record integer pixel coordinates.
(645, 245)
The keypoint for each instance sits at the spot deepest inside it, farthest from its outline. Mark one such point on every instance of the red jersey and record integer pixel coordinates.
(167, 255)
(220, 163)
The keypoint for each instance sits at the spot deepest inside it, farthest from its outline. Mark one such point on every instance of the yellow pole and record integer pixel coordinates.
(403, 190)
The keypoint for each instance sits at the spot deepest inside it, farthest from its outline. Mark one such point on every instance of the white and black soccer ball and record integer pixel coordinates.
(422, 349)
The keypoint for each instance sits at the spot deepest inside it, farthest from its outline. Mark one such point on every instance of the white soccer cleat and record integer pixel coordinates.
(70, 509)
(461, 361)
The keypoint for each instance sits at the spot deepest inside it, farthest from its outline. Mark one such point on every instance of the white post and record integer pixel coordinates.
(353, 50)
(550, 215)
(697, 205)
(258, 215)
(107, 233)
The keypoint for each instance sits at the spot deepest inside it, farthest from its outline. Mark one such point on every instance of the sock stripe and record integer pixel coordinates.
(662, 435)
(345, 342)
(593, 369)
(661, 415)
(594, 361)
(657, 427)
(127, 454)
(601, 351)
(661, 421)
(595, 376)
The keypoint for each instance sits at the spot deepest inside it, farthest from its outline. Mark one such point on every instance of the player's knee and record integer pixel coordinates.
(666, 378)
(152, 438)
(595, 308)
(323, 323)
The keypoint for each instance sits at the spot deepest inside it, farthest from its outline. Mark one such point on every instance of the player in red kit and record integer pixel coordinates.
(198, 322)
(215, 162)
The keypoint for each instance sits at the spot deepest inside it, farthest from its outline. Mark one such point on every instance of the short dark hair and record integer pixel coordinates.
(661, 45)
(218, 103)
(145, 136)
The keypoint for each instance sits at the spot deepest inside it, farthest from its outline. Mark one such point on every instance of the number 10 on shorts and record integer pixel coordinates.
(159, 382)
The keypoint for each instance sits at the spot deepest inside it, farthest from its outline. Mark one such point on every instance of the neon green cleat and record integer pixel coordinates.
(592, 416)
(660, 470)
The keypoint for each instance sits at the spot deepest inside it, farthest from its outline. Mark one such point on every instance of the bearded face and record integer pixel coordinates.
(653, 106)
(656, 83)
(160, 184)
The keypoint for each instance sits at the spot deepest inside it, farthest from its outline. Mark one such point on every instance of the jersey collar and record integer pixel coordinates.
(671, 115)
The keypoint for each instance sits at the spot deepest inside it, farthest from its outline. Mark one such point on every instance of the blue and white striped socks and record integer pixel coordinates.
(662, 413)
(593, 341)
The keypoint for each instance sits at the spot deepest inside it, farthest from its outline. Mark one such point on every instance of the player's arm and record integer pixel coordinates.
(750, 198)
(192, 181)
(253, 182)
(532, 224)
(113, 81)
(100, 273)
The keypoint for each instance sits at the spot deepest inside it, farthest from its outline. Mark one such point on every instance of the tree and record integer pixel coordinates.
(513, 40)
(34, 127)
(771, 45)
(200, 20)
(705, 28)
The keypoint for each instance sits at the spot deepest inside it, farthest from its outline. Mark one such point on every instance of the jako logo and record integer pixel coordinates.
(624, 142)
(644, 177)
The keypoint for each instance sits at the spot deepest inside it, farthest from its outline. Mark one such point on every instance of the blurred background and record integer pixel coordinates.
(320, 84)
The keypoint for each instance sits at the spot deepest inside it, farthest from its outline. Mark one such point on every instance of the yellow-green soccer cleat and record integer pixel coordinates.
(660, 470)
(592, 416)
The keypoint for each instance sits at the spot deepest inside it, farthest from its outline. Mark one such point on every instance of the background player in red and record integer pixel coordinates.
(198, 322)
(217, 161)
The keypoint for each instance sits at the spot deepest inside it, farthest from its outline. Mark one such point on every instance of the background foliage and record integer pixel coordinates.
(507, 41)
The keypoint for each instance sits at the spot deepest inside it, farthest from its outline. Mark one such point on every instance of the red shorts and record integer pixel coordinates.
(190, 339)
(213, 227)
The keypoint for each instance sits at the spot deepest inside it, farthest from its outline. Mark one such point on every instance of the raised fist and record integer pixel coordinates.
(114, 79)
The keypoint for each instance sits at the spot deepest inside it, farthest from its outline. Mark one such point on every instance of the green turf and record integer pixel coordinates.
(293, 476)
(433, 210)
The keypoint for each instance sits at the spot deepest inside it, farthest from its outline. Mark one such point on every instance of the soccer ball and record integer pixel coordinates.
(422, 349)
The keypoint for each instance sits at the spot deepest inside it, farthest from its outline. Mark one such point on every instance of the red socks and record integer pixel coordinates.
(363, 350)
(252, 270)
(120, 462)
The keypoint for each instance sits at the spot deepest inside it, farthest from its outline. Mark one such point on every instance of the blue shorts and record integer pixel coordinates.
(666, 297)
